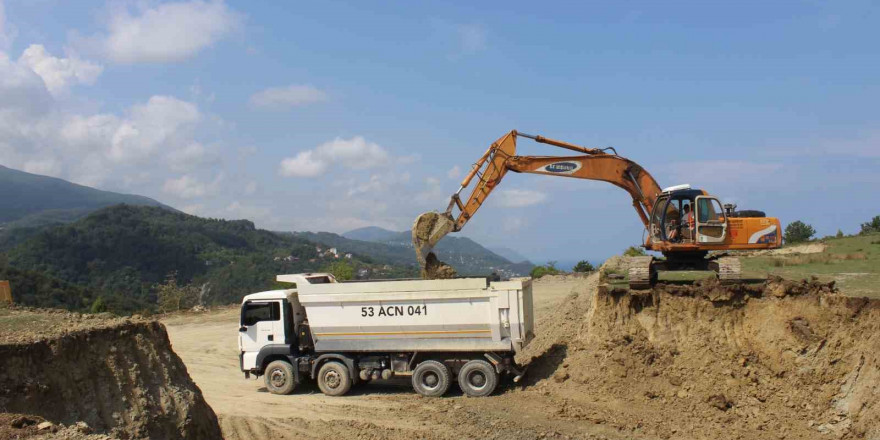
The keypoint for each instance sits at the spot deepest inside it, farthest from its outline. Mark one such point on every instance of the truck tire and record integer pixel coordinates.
(280, 377)
(431, 379)
(477, 378)
(334, 379)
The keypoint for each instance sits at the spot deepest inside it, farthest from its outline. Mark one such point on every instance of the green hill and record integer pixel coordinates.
(33, 200)
(120, 253)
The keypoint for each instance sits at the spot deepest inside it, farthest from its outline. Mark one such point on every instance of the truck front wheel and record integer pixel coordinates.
(431, 379)
(334, 379)
(477, 378)
(280, 378)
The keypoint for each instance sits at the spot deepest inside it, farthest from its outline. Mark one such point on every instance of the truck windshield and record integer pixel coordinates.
(256, 312)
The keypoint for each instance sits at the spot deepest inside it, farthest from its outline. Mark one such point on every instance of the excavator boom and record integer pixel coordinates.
(500, 157)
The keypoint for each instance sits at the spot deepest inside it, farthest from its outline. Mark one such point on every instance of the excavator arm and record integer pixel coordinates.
(500, 158)
(594, 164)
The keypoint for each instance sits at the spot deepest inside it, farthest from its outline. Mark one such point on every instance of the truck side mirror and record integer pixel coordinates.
(242, 328)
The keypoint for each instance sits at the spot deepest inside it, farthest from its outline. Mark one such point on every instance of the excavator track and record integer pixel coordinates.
(729, 269)
(642, 274)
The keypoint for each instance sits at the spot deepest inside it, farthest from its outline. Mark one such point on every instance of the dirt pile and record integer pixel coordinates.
(118, 376)
(436, 269)
(778, 360)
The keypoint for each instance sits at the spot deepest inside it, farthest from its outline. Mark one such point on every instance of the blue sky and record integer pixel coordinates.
(334, 115)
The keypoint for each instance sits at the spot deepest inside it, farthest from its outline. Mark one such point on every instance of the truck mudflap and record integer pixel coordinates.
(506, 365)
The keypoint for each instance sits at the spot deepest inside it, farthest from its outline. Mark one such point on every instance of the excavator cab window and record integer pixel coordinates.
(672, 219)
(711, 223)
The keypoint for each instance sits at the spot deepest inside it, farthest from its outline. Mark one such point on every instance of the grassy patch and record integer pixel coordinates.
(853, 262)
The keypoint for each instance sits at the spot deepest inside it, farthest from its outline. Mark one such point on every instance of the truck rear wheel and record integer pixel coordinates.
(431, 379)
(280, 378)
(334, 379)
(477, 378)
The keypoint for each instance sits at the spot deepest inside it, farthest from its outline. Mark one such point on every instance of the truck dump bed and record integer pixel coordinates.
(419, 316)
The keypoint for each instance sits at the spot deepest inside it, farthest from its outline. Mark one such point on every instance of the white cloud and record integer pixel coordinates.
(7, 31)
(190, 157)
(519, 198)
(286, 97)
(454, 173)
(59, 73)
(354, 153)
(250, 188)
(471, 39)
(304, 164)
(165, 33)
(185, 187)
(379, 184)
(151, 126)
(48, 166)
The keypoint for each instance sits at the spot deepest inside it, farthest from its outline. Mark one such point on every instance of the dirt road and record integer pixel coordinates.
(208, 346)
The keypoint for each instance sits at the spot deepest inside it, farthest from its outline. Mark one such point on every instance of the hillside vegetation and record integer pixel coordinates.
(120, 254)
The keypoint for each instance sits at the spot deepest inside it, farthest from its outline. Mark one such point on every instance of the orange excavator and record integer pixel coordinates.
(681, 222)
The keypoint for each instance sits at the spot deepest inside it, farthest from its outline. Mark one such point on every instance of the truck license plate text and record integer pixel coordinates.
(394, 311)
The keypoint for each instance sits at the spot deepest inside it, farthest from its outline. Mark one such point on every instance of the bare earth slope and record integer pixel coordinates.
(119, 376)
(781, 360)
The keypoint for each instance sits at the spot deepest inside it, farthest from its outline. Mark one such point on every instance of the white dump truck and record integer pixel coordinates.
(341, 334)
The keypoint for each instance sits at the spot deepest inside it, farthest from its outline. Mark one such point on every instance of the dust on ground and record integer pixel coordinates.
(776, 360)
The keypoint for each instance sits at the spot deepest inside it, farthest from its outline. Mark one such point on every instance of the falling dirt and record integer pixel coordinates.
(427, 230)
(436, 269)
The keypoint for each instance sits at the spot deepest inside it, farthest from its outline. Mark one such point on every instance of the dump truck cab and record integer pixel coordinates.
(273, 323)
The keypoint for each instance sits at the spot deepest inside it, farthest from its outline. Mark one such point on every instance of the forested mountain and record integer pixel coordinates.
(120, 253)
(35, 200)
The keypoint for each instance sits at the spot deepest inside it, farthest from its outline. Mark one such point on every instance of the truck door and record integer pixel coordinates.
(711, 223)
(261, 325)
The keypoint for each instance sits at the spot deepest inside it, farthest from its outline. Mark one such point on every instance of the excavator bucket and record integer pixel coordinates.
(427, 230)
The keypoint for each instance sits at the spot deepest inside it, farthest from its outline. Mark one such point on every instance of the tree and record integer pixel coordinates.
(547, 269)
(634, 251)
(797, 232)
(342, 270)
(871, 226)
(172, 297)
(584, 266)
(98, 305)
(839, 234)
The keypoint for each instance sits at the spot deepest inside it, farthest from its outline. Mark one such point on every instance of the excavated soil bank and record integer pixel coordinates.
(118, 376)
(778, 360)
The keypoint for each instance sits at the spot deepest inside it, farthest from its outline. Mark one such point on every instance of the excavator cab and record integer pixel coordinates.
(682, 215)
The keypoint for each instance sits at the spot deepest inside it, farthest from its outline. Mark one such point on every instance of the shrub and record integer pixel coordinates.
(583, 266)
(341, 270)
(871, 226)
(547, 269)
(98, 306)
(634, 251)
(171, 297)
(798, 232)
(839, 234)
